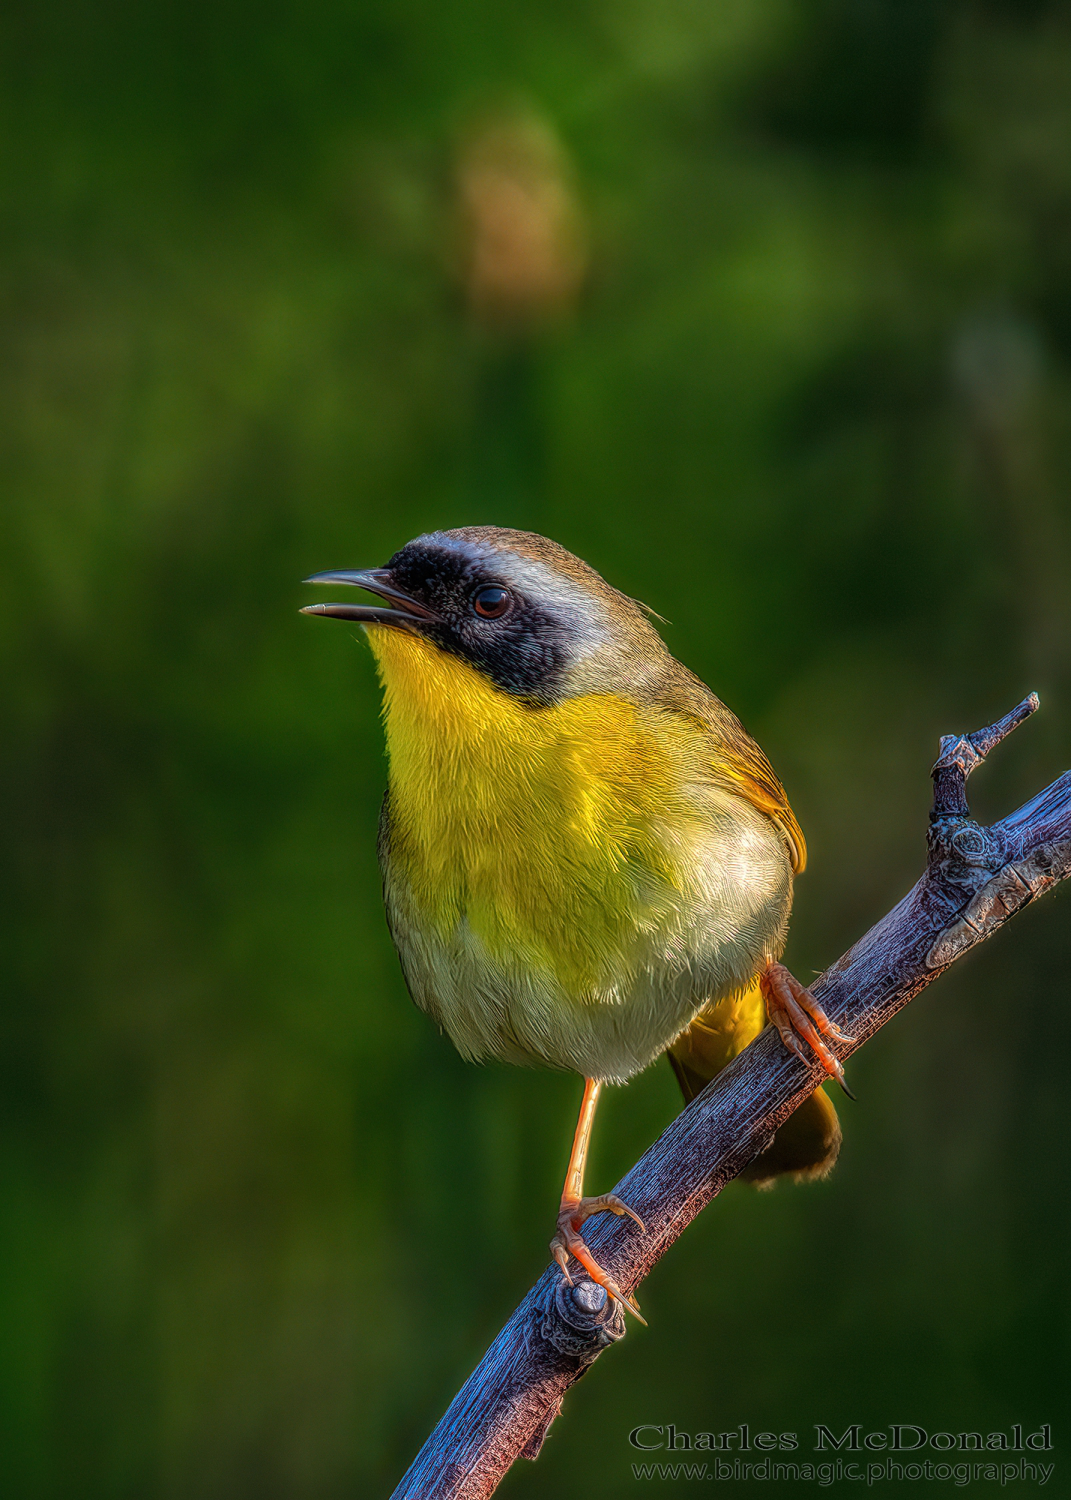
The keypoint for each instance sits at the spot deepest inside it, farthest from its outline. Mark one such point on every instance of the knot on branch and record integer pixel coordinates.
(581, 1320)
(961, 850)
(1000, 897)
(509, 1402)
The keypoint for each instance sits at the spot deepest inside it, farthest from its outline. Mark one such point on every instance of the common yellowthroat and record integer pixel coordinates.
(587, 861)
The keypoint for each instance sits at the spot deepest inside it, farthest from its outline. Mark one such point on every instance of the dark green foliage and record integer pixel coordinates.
(258, 1219)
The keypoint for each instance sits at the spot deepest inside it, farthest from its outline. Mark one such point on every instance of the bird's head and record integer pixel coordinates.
(529, 616)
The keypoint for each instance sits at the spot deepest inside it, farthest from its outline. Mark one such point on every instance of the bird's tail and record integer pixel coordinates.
(808, 1142)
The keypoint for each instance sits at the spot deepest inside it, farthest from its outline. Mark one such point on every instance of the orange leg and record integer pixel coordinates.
(796, 1013)
(575, 1208)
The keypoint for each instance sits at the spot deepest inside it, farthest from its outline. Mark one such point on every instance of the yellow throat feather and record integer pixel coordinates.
(536, 825)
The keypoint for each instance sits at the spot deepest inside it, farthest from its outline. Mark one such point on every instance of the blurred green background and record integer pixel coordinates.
(777, 334)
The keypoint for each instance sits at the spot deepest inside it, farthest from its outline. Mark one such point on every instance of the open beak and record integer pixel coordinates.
(400, 609)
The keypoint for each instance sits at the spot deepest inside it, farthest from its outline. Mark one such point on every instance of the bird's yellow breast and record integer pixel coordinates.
(540, 828)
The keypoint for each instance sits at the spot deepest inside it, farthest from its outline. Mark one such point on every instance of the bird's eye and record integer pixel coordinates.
(491, 603)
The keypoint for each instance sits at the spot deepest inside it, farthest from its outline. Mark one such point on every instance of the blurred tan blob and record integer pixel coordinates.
(524, 245)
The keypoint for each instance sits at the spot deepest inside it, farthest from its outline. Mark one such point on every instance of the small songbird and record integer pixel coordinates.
(587, 861)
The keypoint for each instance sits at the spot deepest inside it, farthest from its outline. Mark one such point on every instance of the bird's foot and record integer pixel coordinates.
(569, 1241)
(796, 1013)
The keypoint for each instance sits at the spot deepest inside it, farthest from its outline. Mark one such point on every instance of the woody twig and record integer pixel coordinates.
(975, 879)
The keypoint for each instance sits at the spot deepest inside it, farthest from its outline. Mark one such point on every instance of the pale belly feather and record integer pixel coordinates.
(564, 885)
(677, 946)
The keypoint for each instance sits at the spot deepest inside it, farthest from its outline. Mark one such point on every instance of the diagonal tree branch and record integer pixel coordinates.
(974, 880)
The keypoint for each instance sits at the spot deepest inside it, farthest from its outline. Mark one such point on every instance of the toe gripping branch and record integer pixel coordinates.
(975, 878)
(979, 862)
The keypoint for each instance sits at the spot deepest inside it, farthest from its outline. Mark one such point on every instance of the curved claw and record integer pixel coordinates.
(604, 1203)
(797, 1014)
(567, 1241)
(561, 1255)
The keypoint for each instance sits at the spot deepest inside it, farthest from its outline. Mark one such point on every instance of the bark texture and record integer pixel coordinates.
(975, 879)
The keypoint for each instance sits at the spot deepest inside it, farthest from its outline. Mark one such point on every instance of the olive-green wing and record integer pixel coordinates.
(736, 761)
(743, 767)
